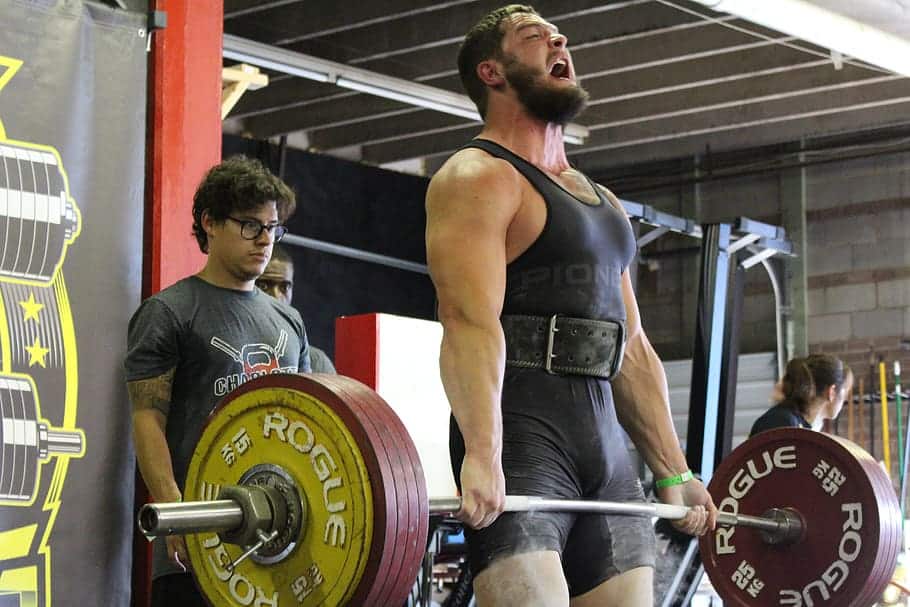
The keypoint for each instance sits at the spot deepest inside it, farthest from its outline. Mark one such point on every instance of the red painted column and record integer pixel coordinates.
(184, 140)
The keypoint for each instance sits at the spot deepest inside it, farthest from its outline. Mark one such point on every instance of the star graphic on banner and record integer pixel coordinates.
(36, 354)
(31, 308)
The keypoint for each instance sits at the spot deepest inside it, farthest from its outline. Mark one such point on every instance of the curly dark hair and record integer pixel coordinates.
(482, 42)
(238, 184)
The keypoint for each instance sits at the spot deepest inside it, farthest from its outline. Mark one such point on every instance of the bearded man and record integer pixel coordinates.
(530, 263)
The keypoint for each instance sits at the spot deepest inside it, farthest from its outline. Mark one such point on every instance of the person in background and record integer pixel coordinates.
(278, 281)
(812, 390)
(187, 344)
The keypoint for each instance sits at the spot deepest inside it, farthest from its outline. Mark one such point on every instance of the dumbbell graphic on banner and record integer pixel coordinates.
(37, 218)
(27, 441)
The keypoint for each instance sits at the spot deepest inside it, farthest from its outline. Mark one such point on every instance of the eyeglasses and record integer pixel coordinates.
(250, 229)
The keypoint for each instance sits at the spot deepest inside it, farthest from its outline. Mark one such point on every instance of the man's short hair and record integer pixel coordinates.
(482, 42)
(236, 185)
(280, 253)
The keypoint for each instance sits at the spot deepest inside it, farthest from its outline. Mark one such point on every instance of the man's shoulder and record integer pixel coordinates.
(778, 416)
(279, 308)
(474, 168)
(179, 291)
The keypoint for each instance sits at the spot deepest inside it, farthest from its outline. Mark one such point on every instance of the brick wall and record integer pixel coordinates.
(858, 260)
(858, 267)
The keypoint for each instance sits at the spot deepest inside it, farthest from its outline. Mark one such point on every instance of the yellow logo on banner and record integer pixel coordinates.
(39, 220)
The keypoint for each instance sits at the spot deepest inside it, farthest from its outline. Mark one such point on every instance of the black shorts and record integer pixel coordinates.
(561, 439)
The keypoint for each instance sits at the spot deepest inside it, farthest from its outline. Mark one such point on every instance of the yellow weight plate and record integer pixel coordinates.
(296, 431)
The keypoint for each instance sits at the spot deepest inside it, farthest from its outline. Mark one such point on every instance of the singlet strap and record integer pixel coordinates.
(540, 180)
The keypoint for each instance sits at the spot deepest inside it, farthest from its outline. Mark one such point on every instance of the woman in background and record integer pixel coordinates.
(812, 390)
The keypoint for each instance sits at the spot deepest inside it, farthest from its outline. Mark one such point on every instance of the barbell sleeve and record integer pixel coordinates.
(178, 518)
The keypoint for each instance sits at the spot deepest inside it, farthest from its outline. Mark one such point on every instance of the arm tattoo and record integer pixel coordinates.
(152, 393)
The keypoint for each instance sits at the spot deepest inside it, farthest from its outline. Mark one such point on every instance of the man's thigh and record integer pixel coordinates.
(603, 547)
(634, 588)
(516, 533)
(529, 579)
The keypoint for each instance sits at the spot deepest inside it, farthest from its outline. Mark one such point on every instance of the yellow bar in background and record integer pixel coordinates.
(886, 438)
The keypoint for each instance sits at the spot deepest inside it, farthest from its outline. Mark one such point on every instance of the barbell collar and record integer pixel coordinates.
(179, 518)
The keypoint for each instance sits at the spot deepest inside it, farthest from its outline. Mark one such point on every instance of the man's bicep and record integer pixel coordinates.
(466, 246)
(152, 393)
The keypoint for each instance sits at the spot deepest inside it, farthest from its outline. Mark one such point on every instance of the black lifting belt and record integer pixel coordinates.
(564, 345)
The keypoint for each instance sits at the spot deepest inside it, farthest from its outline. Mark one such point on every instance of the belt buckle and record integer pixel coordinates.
(548, 363)
(619, 350)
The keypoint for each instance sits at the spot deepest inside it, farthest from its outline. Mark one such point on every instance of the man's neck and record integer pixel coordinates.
(540, 143)
(214, 274)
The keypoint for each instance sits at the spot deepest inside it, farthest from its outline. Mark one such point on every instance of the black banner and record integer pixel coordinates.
(72, 153)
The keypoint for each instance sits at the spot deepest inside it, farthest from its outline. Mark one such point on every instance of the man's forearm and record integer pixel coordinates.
(642, 405)
(153, 456)
(471, 363)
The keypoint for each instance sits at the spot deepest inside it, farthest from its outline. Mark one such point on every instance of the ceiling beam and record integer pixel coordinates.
(696, 96)
(720, 140)
(366, 81)
(810, 105)
(623, 55)
(810, 111)
(726, 94)
(242, 8)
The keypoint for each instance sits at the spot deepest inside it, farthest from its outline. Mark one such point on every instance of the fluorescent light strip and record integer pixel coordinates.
(364, 81)
(381, 91)
(825, 28)
(278, 66)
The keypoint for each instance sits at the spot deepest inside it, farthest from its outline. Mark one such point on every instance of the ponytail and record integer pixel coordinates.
(807, 377)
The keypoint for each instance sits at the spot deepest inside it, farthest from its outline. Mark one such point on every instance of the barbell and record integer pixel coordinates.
(308, 490)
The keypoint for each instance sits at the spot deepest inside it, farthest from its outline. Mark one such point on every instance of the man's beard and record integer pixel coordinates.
(549, 104)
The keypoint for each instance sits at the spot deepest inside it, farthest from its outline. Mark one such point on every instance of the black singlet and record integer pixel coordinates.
(561, 436)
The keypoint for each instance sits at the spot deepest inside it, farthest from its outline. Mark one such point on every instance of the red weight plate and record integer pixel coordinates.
(375, 584)
(415, 536)
(891, 523)
(369, 406)
(419, 533)
(415, 508)
(382, 477)
(852, 523)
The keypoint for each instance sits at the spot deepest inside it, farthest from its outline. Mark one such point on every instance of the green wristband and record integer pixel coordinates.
(679, 479)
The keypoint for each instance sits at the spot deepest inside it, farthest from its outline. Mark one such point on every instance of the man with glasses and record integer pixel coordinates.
(192, 343)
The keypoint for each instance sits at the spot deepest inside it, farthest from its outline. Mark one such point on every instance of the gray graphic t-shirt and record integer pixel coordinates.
(216, 339)
(320, 361)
